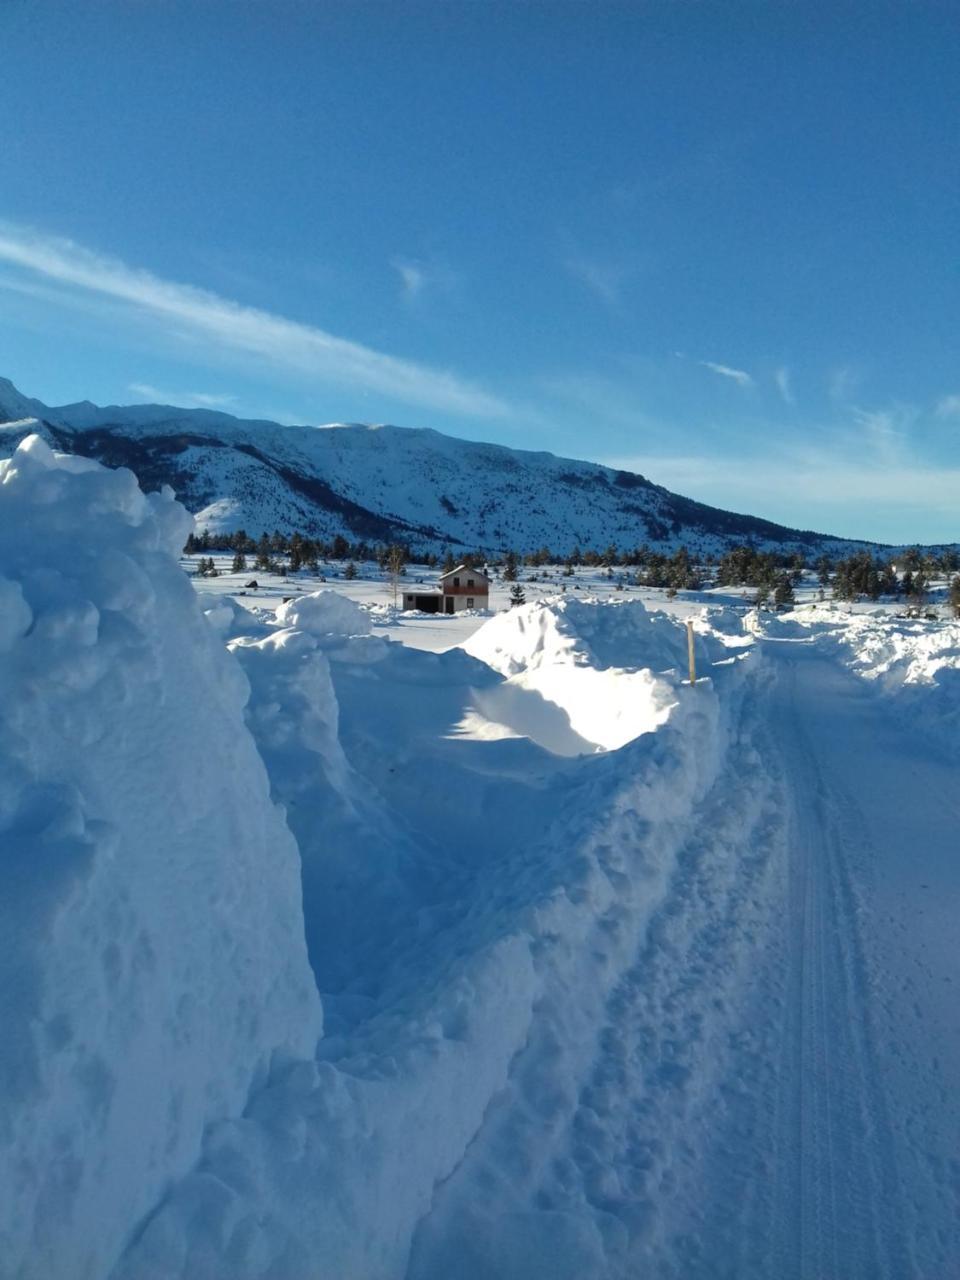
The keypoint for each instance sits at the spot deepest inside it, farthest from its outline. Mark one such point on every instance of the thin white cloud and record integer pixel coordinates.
(884, 434)
(739, 376)
(809, 487)
(785, 385)
(605, 279)
(421, 276)
(948, 407)
(412, 274)
(867, 467)
(280, 343)
(183, 399)
(842, 383)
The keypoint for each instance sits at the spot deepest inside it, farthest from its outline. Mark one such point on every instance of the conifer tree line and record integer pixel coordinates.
(772, 575)
(855, 577)
(277, 552)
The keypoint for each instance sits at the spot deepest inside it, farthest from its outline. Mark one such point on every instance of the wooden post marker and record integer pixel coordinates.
(690, 653)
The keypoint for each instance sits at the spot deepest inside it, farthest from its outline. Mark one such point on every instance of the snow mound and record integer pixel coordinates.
(581, 675)
(230, 620)
(599, 634)
(325, 614)
(917, 663)
(154, 963)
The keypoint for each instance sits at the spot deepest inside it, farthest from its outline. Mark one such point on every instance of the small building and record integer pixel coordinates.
(461, 588)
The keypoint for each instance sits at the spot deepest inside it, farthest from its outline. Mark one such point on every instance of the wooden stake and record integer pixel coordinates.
(690, 653)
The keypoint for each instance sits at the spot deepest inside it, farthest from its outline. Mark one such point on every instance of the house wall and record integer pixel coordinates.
(481, 587)
(481, 600)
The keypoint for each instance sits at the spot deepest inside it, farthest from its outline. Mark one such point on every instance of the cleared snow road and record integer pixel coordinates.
(837, 1116)
(775, 1091)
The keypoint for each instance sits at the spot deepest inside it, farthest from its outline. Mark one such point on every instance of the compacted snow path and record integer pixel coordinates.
(834, 1141)
(774, 1090)
(875, 882)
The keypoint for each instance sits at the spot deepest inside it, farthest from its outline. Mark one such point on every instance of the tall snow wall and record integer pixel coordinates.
(151, 931)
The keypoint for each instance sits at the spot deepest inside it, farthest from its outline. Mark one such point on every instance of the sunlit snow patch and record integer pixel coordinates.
(580, 676)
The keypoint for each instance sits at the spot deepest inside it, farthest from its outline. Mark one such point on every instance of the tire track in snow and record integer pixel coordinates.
(852, 1191)
(838, 1133)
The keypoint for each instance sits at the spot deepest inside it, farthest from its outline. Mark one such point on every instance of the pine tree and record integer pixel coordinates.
(264, 556)
(955, 596)
(510, 567)
(350, 572)
(239, 563)
(783, 590)
(516, 595)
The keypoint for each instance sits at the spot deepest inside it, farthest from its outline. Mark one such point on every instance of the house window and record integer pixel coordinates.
(469, 582)
(469, 602)
(456, 582)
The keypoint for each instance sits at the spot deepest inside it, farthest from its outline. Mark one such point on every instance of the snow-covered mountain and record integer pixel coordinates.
(385, 483)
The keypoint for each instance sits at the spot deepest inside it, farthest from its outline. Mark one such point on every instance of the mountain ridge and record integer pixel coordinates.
(383, 483)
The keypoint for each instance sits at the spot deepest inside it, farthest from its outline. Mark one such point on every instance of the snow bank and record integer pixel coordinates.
(154, 967)
(916, 663)
(582, 675)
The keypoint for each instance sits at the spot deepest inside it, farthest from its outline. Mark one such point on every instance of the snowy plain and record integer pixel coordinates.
(346, 943)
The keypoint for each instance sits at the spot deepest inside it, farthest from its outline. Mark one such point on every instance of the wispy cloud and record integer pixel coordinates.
(183, 399)
(842, 382)
(424, 276)
(413, 276)
(884, 434)
(604, 278)
(785, 386)
(948, 407)
(837, 480)
(739, 376)
(280, 343)
(809, 486)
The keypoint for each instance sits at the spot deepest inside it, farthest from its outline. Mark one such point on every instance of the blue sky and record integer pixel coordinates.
(719, 244)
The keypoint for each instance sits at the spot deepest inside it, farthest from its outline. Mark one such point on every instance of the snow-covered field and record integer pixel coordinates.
(345, 943)
(372, 588)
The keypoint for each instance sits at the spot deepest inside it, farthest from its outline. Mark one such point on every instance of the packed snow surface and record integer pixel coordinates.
(619, 976)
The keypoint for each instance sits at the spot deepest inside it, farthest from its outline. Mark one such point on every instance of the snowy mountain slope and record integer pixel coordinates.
(383, 483)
